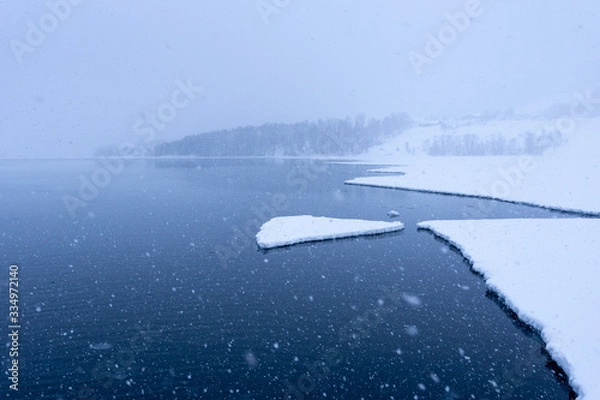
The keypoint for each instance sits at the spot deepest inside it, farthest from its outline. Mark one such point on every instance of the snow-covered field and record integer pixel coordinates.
(285, 231)
(417, 140)
(566, 178)
(547, 272)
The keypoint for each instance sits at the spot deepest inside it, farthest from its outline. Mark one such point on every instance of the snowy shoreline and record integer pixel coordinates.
(546, 271)
(369, 182)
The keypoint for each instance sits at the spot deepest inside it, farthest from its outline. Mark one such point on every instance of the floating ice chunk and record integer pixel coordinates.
(100, 346)
(393, 214)
(285, 231)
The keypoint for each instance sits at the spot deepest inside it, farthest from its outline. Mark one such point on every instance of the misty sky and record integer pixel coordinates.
(106, 66)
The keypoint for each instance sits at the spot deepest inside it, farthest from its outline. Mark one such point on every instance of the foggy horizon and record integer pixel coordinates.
(97, 73)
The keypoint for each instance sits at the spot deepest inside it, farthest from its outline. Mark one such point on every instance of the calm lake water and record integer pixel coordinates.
(156, 289)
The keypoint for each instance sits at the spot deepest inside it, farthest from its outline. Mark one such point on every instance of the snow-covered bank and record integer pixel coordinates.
(565, 178)
(285, 231)
(548, 273)
(493, 134)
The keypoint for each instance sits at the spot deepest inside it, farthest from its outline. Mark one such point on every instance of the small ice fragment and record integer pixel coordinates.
(276, 345)
(393, 214)
(398, 351)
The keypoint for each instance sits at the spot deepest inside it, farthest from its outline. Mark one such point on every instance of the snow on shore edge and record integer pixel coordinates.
(547, 272)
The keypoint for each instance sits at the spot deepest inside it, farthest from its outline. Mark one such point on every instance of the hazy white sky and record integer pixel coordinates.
(78, 74)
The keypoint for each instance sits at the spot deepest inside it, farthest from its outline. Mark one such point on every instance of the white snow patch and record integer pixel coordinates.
(547, 272)
(285, 231)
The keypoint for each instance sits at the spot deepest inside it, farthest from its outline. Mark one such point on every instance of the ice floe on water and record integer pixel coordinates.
(546, 270)
(285, 231)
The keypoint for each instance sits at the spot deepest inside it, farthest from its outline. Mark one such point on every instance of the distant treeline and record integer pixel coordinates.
(472, 145)
(323, 137)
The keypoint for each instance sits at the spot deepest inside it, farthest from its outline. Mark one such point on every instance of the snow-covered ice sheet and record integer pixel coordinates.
(566, 178)
(285, 231)
(548, 272)
(542, 181)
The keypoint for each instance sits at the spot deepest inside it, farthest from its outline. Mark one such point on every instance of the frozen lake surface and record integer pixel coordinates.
(157, 288)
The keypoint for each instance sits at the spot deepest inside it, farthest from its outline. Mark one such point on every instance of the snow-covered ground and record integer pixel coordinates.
(547, 272)
(417, 141)
(566, 177)
(285, 231)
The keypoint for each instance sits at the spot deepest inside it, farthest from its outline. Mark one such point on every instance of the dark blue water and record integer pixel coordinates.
(152, 287)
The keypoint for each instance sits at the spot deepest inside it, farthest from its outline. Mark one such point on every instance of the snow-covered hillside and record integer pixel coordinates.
(473, 137)
(564, 177)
